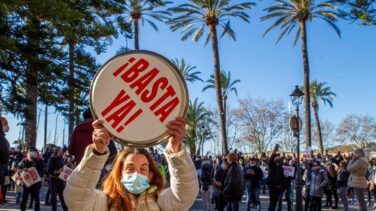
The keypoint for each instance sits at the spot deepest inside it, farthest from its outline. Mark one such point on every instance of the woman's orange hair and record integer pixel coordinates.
(117, 195)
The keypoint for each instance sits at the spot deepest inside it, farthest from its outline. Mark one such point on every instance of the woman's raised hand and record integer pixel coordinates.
(101, 138)
(176, 128)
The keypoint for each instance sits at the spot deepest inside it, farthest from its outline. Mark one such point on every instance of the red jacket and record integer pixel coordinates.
(80, 139)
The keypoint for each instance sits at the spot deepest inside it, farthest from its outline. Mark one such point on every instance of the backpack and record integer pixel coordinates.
(206, 176)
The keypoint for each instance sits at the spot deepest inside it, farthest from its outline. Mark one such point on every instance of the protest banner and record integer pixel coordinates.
(289, 171)
(307, 154)
(65, 173)
(136, 94)
(17, 178)
(30, 176)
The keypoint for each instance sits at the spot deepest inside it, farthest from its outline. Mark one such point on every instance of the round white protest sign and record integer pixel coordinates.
(136, 94)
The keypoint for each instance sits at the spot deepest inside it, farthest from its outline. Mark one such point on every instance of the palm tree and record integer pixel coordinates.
(198, 15)
(321, 92)
(197, 117)
(227, 86)
(296, 13)
(139, 11)
(187, 71)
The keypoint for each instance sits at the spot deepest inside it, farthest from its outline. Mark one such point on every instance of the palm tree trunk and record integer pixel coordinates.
(321, 146)
(71, 87)
(136, 39)
(307, 106)
(198, 148)
(217, 72)
(32, 84)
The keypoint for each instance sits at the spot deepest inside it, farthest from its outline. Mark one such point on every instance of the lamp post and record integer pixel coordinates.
(202, 139)
(296, 125)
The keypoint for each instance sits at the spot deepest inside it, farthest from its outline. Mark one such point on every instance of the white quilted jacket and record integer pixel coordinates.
(80, 193)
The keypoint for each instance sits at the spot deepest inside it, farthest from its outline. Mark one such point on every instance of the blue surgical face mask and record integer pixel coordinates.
(135, 183)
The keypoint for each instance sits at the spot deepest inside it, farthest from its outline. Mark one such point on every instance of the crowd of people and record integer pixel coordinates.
(342, 178)
(347, 178)
(50, 164)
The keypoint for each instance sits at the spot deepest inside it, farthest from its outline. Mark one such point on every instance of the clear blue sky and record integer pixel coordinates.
(267, 70)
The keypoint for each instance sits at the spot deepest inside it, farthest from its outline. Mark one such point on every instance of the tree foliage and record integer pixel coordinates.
(262, 121)
(362, 11)
(357, 129)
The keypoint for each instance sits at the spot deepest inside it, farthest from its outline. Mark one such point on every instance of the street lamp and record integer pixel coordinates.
(296, 125)
(202, 139)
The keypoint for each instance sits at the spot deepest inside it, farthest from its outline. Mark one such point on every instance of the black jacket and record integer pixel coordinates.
(253, 180)
(38, 164)
(234, 185)
(276, 177)
(4, 149)
(55, 163)
(207, 173)
(343, 178)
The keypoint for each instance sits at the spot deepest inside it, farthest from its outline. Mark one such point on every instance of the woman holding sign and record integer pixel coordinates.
(31, 172)
(135, 182)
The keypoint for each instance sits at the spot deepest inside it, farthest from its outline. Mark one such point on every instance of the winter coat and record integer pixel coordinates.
(234, 184)
(219, 177)
(80, 193)
(55, 163)
(319, 180)
(276, 176)
(332, 182)
(38, 163)
(358, 170)
(4, 150)
(207, 173)
(343, 178)
(82, 137)
(254, 180)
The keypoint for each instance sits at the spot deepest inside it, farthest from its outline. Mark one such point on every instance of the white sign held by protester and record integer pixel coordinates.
(65, 173)
(17, 178)
(30, 176)
(289, 171)
(136, 94)
(307, 154)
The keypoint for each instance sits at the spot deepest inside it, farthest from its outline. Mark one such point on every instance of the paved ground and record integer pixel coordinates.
(198, 205)
(10, 206)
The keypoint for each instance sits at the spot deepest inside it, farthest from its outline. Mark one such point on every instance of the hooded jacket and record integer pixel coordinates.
(80, 193)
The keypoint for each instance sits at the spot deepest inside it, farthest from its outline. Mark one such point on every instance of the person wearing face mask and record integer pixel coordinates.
(32, 160)
(233, 186)
(219, 178)
(253, 176)
(276, 178)
(319, 180)
(134, 183)
(358, 167)
(4, 157)
(55, 167)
